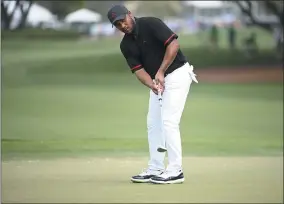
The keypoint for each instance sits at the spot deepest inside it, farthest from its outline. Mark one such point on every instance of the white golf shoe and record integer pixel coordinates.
(146, 175)
(168, 177)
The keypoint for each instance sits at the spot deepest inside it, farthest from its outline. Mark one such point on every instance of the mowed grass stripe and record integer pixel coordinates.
(92, 180)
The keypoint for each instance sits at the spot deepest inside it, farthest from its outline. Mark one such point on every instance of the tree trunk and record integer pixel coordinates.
(24, 14)
(5, 17)
(5, 21)
(276, 9)
(249, 13)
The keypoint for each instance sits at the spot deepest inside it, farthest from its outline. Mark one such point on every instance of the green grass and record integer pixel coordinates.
(105, 119)
(26, 58)
(79, 98)
(264, 39)
(106, 180)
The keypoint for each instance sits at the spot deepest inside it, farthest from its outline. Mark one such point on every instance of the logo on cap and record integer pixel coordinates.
(113, 15)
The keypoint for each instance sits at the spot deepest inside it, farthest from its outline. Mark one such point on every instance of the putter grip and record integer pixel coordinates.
(160, 97)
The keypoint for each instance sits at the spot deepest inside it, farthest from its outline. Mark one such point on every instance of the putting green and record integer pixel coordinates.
(208, 179)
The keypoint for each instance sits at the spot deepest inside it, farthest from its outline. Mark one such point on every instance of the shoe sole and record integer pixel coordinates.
(178, 181)
(140, 180)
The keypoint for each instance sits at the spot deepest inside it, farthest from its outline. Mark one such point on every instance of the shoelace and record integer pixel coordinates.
(144, 171)
(167, 172)
(147, 171)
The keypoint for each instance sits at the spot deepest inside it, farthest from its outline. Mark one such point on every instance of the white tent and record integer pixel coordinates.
(83, 16)
(36, 15)
(40, 14)
(204, 4)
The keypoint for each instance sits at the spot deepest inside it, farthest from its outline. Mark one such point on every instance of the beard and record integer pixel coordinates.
(133, 25)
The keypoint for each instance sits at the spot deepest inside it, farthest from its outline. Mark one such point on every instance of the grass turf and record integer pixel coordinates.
(107, 180)
(217, 120)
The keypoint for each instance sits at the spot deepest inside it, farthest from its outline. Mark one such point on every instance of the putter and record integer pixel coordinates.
(161, 148)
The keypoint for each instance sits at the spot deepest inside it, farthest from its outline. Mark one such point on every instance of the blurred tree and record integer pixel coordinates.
(272, 7)
(6, 18)
(101, 7)
(61, 8)
(24, 8)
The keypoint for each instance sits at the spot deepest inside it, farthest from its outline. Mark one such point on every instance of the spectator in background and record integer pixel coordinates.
(214, 37)
(250, 45)
(278, 37)
(232, 36)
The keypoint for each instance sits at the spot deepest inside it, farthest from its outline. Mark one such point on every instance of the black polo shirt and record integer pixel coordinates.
(146, 46)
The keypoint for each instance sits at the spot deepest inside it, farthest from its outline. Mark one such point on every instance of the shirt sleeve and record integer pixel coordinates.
(161, 31)
(132, 59)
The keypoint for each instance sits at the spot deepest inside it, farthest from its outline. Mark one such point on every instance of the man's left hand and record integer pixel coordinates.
(160, 79)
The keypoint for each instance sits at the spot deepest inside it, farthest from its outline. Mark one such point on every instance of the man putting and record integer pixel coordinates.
(152, 52)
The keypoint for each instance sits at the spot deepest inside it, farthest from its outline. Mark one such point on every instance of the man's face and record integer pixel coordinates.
(125, 25)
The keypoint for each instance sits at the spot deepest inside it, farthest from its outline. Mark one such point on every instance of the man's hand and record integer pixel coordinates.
(160, 80)
(145, 78)
(155, 87)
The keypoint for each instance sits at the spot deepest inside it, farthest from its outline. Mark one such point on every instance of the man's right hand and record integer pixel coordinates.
(145, 78)
(155, 88)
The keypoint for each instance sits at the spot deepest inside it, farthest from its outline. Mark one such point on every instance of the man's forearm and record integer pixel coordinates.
(144, 78)
(170, 55)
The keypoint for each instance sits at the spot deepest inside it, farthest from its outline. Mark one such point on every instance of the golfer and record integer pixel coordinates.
(153, 53)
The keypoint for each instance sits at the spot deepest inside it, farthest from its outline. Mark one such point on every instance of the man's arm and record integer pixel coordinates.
(145, 79)
(165, 36)
(170, 55)
(135, 65)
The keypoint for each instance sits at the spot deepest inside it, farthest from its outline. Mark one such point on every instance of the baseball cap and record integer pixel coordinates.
(117, 12)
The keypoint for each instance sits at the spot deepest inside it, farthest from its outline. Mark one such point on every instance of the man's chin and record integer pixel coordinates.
(128, 31)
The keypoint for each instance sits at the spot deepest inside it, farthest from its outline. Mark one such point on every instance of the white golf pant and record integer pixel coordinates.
(163, 122)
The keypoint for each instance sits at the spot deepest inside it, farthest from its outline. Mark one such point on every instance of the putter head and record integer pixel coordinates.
(161, 149)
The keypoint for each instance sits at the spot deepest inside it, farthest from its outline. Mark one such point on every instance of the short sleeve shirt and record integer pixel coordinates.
(146, 47)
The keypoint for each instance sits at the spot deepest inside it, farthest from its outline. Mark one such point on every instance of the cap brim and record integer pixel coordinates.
(121, 17)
